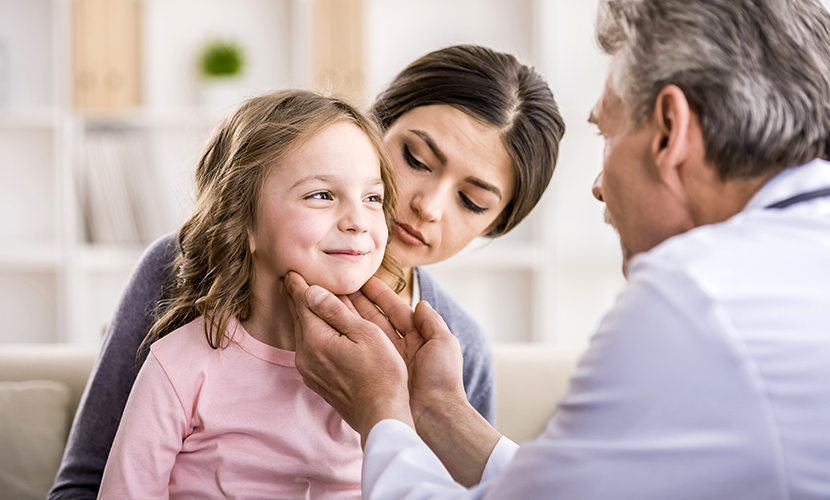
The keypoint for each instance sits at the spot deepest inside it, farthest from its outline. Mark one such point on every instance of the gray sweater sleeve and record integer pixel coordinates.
(112, 377)
(479, 371)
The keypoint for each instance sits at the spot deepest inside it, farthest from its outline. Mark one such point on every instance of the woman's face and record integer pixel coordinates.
(454, 180)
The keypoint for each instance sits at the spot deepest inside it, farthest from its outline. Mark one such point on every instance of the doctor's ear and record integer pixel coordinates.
(673, 122)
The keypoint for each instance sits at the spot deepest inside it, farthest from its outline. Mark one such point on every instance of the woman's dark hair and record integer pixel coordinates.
(496, 89)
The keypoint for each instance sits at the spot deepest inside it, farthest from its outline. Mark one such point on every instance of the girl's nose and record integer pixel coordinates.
(354, 219)
(596, 189)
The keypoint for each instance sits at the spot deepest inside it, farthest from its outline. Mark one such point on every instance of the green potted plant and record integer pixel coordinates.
(221, 65)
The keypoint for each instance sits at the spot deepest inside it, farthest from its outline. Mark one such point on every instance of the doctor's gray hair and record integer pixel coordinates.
(757, 73)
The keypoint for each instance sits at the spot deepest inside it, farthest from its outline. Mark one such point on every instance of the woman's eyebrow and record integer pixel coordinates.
(483, 185)
(431, 144)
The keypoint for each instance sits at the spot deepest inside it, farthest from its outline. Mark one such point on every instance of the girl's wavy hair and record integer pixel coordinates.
(213, 267)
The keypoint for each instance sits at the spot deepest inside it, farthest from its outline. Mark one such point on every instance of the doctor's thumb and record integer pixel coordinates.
(429, 323)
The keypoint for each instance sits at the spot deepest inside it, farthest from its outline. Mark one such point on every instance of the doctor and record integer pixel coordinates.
(710, 377)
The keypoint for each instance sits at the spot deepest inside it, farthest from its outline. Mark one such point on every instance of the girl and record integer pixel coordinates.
(491, 119)
(299, 182)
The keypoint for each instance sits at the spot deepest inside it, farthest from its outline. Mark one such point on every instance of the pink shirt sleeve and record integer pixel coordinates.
(140, 462)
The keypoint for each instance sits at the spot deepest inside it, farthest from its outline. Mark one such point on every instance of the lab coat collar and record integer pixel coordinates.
(791, 182)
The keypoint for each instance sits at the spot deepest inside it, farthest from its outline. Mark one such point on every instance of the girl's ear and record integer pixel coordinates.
(251, 241)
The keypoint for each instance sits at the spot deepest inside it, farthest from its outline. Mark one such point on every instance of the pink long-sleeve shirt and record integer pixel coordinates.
(235, 423)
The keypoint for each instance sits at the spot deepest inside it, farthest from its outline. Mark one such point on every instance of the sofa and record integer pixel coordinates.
(41, 385)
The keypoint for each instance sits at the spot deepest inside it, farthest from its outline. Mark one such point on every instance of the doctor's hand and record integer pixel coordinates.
(346, 359)
(431, 352)
(443, 417)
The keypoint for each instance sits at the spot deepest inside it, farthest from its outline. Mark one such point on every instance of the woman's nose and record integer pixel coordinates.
(596, 189)
(429, 202)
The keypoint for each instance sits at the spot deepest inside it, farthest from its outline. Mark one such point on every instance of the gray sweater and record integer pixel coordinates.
(115, 370)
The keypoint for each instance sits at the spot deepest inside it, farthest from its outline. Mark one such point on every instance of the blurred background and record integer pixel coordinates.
(105, 104)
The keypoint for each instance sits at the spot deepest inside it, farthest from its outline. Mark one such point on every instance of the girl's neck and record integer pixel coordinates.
(406, 293)
(271, 321)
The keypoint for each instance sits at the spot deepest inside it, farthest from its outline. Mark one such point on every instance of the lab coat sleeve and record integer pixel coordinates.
(397, 464)
(500, 458)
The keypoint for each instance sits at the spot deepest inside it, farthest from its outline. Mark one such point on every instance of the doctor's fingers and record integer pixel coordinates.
(348, 303)
(393, 308)
(430, 324)
(339, 317)
(371, 312)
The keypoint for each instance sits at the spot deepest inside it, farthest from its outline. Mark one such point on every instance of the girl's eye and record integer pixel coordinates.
(469, 205)
(374, 198)
(415, 164)
(323, 195)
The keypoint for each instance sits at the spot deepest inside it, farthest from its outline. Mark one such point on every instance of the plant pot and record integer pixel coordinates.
(220, 94)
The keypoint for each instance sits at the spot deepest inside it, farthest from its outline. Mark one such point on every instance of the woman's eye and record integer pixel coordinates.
(374, 198)
(324, 195)
(415, 164)
(469, 205)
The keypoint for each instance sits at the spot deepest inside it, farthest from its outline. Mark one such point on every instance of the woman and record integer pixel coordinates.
(473, 137)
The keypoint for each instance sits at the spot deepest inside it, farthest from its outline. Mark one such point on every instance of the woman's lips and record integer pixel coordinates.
(409, 235)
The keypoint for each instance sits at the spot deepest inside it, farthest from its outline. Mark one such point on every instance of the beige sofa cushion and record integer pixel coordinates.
(530, 380)
(65, 363)
(34, 418)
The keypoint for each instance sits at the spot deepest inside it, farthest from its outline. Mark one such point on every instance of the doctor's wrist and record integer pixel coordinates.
(395, 407)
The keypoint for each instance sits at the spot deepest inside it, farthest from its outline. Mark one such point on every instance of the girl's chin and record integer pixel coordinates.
(338, 287)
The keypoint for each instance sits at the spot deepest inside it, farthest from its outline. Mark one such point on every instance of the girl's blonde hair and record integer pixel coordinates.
(213, 268)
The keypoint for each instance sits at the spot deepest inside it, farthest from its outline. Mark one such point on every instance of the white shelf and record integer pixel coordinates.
(35, 118)
(29, 256)
(100, 258)
(149, 118)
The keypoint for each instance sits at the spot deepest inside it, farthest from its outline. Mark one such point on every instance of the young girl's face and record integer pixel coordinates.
(321, 212)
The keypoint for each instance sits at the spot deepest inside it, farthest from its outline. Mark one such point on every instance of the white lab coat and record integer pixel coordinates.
(709, 378)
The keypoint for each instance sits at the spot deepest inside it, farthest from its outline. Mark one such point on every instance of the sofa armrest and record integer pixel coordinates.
(66, 363)
(530, 380)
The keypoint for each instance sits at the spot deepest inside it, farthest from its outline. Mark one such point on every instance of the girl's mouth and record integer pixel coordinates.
(350, 255)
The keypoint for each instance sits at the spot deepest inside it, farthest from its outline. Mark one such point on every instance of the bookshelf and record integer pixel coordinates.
(56, 285)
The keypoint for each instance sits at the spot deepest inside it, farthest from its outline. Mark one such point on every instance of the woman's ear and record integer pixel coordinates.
(671, 145)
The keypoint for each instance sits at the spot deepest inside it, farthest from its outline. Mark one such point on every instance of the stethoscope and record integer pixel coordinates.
(821, 193)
